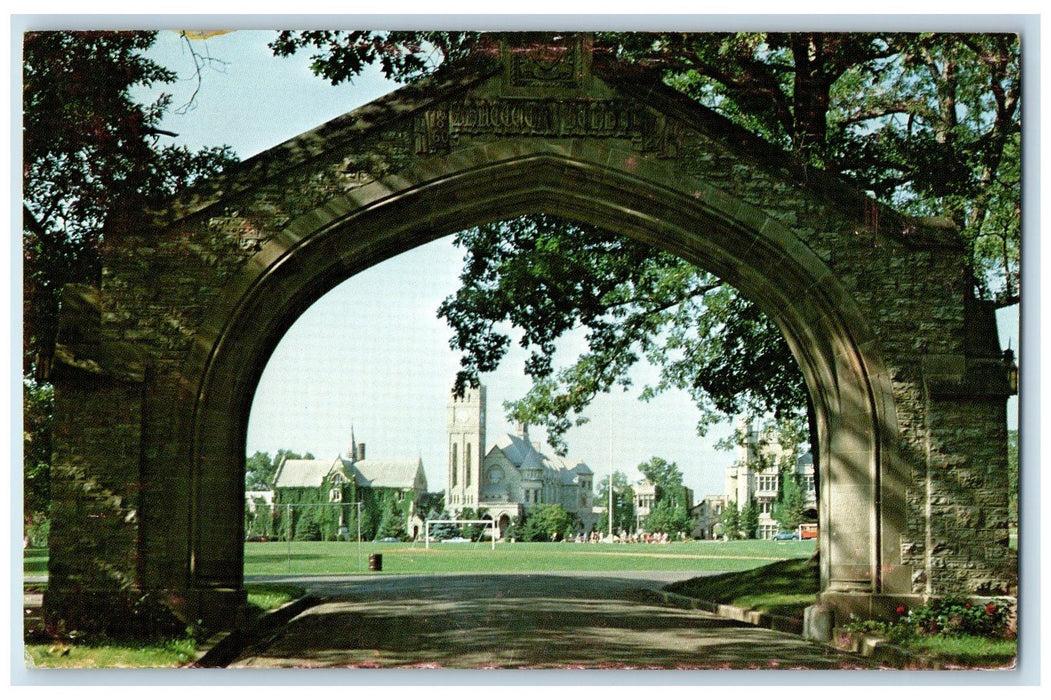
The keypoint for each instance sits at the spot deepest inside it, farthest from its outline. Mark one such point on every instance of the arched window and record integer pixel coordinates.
(467, 465)
(454, 464)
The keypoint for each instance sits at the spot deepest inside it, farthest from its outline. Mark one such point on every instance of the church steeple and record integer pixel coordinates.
(352, 451)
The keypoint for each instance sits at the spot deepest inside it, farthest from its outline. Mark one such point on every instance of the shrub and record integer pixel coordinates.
(943, 617)
(955, 615)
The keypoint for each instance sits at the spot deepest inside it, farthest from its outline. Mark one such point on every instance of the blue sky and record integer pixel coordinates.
(380, 362)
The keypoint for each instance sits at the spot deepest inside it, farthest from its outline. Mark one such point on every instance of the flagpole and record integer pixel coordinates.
(611, 467)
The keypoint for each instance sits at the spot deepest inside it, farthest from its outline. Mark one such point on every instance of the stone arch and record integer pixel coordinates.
(794, 245)
(824, 328)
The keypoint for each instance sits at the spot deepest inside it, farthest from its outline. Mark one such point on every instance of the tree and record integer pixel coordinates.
(623, 503)
(750, 519)
(547, 277)
(788, 509)
(731, 521)
(91, 155)
(260, 470)
(928, 123)
(37, 410)
(547, 522)
(669, 515)
(662, 473)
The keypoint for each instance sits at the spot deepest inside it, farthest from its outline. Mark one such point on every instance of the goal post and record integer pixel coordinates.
(427, 528)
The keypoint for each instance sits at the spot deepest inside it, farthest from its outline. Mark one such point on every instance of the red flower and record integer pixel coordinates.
(900, 610)
(990, 608)
(967, 605)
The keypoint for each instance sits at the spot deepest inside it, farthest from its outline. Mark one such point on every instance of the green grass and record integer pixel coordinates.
(782, 588)
(162, 653)
(34, 561)
(317, 558)
(966, 650)
(270, 596)
(111, 653)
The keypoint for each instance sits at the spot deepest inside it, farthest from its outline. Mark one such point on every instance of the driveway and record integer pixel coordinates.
(521, 621)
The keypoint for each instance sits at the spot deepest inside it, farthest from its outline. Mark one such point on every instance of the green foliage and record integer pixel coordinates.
(926, 122)
(91, 157)
(730, 521)
(548, 277)
(38, 407)
(955, 615)
(788, 510)
(547, 522)
(664, 474)
(623, 504)
(750, 519)
(670, 516)
(340, 56)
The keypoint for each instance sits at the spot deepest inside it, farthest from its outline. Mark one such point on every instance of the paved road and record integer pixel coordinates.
(517, 621)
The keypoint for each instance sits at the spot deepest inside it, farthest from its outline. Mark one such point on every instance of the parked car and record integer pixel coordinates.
(785, 536)
(456, 539)
(809, 531)
(388, 539)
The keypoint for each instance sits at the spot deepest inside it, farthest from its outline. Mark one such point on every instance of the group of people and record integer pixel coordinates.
(624, 536)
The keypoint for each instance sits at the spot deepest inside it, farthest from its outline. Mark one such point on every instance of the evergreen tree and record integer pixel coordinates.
(731, 521)
(788, 510)
(750, 519)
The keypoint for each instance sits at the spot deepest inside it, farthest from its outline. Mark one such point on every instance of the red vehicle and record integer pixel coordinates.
(808, 531)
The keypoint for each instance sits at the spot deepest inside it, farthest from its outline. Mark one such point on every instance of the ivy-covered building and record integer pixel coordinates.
(318, 499)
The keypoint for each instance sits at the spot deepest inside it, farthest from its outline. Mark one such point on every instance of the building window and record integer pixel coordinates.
(767, 482)
(467, 465)
(808, 483)
(767, 532)
(766, 505)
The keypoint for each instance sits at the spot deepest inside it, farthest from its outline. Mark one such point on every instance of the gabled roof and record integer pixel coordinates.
(522, 454)
(306, 473)
(398, 474)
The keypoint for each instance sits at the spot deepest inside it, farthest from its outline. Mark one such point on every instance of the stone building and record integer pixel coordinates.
(514, 475)
(756, 473)
(329, 480)
(646, 495)
(706, 516)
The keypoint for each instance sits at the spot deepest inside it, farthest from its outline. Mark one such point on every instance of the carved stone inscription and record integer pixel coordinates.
(609, 118)
(437, 129)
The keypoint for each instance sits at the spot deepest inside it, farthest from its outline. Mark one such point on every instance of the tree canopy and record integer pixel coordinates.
(91, 154)
(928, 123)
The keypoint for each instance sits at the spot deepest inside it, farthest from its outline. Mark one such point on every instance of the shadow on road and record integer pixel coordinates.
(522, 621)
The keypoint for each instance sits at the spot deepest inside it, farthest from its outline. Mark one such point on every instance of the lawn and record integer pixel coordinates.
(782, 588)
(318, 558)
(134, 653)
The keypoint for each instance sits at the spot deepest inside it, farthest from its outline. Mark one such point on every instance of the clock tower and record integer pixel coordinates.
(466, 427)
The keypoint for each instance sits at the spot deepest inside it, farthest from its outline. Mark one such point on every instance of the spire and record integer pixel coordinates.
(352, 453)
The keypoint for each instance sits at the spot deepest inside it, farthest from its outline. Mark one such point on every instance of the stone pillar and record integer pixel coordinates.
(95, 554)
